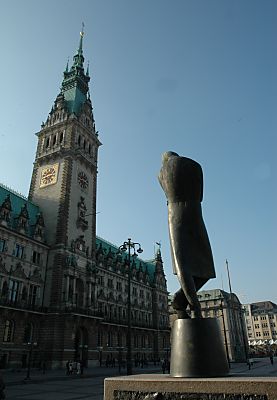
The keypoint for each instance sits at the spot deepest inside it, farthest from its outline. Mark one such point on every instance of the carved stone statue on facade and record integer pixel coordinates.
(182, 181)
(81, 219)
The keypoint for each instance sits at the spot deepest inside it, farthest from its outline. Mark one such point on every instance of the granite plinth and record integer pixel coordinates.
(165, 387)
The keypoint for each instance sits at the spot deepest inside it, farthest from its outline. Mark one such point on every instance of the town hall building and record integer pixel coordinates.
(63, 290)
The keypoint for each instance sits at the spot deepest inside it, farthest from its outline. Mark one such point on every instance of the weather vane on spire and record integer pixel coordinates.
(82, 31)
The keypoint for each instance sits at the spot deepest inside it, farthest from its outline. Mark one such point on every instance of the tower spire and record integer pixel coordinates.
(75, 82)
(80, 49)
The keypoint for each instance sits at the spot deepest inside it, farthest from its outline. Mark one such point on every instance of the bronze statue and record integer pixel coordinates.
(182, 181)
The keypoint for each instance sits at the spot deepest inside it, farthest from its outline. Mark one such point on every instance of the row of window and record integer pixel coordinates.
(265, 325)
(11, 292)
(111, 339)
(19, 251)
(120, 312)
(119, 287)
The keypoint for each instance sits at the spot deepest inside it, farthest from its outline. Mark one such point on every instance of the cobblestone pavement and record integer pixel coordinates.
(55, 385)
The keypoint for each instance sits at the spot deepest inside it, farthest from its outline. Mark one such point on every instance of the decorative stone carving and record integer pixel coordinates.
(71, 261)
(39, 227)
(5, 211)
(81, 222)
(22, 221)
(19, 271)
(2, 266)
(36, 277)
(79, 245)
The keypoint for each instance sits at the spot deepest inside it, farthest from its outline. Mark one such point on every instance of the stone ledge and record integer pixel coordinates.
(259, 388)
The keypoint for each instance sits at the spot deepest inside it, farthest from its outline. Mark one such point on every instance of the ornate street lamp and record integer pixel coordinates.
(130, 246)
(31, 346)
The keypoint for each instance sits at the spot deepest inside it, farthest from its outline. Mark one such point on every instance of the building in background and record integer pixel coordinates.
(227, 308)
(63, 291)
(261, 325)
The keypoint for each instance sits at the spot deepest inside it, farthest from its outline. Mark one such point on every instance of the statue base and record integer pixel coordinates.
(197, 349)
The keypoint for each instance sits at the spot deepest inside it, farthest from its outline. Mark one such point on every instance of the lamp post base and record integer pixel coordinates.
(197, 349)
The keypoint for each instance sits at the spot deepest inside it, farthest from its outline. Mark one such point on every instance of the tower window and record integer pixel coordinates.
(36, 257)
(19, 251)
(33, 295)
(84, 145)
(47, 142)
(61, 137)
(13, 290)
(54, 140)
(79, 140)
(2, 245)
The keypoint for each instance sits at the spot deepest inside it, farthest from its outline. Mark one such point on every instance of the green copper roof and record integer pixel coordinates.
(18, 202)
(75, 82)
(107, 246)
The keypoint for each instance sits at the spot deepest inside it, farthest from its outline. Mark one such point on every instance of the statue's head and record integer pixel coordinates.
(167, 155)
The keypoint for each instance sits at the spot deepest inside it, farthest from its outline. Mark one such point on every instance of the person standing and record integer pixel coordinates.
(2, 388)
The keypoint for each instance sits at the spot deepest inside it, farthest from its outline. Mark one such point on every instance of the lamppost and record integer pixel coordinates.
(83, 354)
(100, 349)
(129, 245)
(224, 330)
(119, 349)
(31, 344)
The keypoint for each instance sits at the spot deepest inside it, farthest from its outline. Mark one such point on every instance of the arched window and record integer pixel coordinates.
(24, 294)
(79, 293)
(79, 140)
(8, 331)
(110, 339)
(5, 290)
(47, 142)
(84, 144)
(100, 338)
(61, 137)
(54, 140)
(28, 333)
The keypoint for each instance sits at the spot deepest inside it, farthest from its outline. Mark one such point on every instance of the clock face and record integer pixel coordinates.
(49, 175)
(83, 180)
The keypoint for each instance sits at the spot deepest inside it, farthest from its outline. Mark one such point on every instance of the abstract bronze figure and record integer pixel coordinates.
(182, 181)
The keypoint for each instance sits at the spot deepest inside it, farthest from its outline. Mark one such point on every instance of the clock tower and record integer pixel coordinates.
(63, 185)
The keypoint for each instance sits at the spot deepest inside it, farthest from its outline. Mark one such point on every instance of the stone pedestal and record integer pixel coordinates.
(164, 387)
(197, 349)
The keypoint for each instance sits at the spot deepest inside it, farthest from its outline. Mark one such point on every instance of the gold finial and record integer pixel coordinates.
(82, 31)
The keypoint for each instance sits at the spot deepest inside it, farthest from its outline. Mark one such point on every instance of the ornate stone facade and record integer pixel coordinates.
(63, 290)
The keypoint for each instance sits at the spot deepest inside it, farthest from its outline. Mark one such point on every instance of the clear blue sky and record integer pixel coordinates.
(195, 77)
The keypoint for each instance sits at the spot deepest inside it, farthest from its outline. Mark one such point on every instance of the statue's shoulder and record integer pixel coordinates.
(183, 162)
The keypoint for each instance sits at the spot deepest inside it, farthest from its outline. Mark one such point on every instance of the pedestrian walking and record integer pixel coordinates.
(168, 366)
(70, 367)
(2, 388)
(78, 368)
(271, 359)
(163, 366)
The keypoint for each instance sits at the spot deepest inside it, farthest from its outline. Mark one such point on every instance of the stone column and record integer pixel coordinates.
(89, 294)
(74, 290)
(67, 288)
